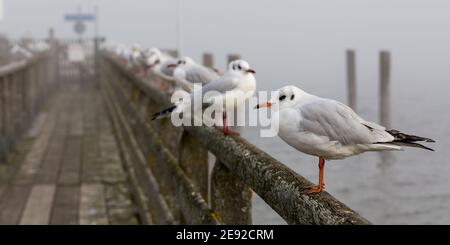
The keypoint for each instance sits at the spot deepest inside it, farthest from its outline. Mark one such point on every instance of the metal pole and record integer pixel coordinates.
(179, 20)
(351, 78)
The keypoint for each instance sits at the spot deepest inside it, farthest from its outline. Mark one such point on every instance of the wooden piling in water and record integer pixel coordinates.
(208, 60)
(351, 78)
(385, 95)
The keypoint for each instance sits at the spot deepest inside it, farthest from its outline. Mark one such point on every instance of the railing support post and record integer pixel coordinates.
(3, 122)
(230, 197)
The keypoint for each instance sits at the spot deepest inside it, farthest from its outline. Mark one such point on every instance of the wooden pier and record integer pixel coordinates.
(91, 155)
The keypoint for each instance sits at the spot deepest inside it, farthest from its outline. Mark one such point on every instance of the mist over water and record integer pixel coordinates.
(303, 43)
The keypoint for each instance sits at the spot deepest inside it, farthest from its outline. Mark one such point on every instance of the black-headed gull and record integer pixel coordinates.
(227, 93)
(19, 52)
(160, 63)
(329, 129)
(134, 57)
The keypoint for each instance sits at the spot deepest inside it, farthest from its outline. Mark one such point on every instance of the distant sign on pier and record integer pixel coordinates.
(79, 17)
(79, 20)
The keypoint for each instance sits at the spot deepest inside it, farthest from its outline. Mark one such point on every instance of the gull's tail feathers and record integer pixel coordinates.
(410, 140)
(164, 113)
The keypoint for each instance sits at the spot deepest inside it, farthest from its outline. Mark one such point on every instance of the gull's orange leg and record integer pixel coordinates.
(226, 129)
(321, 186)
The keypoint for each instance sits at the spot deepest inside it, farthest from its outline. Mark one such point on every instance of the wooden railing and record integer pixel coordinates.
(24, 86)
(168, 166)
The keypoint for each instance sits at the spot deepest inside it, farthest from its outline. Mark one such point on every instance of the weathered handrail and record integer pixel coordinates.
(172, 160)
(24, 85)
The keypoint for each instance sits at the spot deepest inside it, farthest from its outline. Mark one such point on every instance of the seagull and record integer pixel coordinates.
(187, 73)
(160, 63)
(329, 129)
(21, 52)
(134, 56)
(228, 92)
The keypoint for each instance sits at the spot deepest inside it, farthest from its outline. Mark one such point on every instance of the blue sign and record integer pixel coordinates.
(79, 17)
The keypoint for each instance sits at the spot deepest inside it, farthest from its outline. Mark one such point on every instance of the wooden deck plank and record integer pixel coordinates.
(39, 205)
(76, 123)
(2, 190)
(34, 157)
(71, 162)
(51, 164)
(92, 205)
(119, 205)
(91, 162)
(49, 170)
(66, 205)
(12, 204)
(38, 125)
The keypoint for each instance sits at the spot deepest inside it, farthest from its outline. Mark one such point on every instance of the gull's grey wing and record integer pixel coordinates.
(340, 123)
(200, 74)
(221, 86)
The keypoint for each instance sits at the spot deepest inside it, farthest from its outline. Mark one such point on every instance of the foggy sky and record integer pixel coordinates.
(296, 41)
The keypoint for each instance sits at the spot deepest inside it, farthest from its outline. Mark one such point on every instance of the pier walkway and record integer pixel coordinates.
(67, 169)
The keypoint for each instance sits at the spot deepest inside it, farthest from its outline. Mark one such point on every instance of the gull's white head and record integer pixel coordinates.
(285, 97)
(182, 62)
(153, 56)
(154, 51)
(240, 67)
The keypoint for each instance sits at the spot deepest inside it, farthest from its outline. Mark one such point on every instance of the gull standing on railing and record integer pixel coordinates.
(160, 63)
(134, 57)
(226, 94)
(19, 52)
(329, 129)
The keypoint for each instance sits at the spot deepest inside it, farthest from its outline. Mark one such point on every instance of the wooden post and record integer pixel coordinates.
(3, 149)
(351, 78)
(173, 52)
(19, 120)
(230, 197)
(208, 60)
(194, 161)
(96, 60)
(233, 57)
(385, 95)
(12, 111)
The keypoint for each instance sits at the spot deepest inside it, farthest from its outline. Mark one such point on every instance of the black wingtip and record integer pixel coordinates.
(427, 148)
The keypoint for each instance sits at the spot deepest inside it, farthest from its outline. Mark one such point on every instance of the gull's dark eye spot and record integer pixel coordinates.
(179, 62)
(282, 97)
(239, 67)
(292, 97)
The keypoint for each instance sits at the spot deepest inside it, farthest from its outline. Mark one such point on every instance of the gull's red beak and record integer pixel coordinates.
(264, 104)
(251, 71)
(172, 65)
